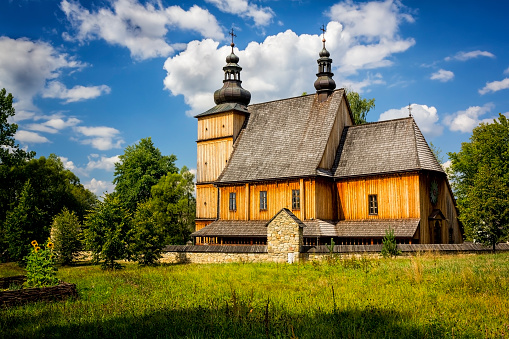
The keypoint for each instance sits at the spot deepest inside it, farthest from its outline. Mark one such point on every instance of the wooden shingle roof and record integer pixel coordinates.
(233, 228)
(383, 147)
(282, 139)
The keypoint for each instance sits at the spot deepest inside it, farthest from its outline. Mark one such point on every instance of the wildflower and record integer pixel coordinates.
(34, 243)
(50, 245)
(37, 248)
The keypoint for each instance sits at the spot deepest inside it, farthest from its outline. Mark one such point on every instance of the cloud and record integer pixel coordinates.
(464, 56)
(55, 89)
(442, 75)
(465, 121)
(284, 65)
(262, 16)
(25, 66)
(54, 124)
(426, 118)
(27, 137)
(495, 86)
(99, 187)
(506, 71)
(140, 28)
(104, 163)
(100, 137)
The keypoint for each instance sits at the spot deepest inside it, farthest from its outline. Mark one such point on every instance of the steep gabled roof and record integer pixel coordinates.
(383, 147)
(283, 139)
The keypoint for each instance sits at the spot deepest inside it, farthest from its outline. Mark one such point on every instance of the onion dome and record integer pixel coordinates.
(232, 91)
(324, 84)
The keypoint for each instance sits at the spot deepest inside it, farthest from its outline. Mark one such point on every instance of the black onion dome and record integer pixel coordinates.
(232, 91)
(324, 83)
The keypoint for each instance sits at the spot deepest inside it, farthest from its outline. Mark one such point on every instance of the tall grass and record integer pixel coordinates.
(425, 296)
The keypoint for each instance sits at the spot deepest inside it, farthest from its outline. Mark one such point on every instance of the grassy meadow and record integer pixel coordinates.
(423, 296)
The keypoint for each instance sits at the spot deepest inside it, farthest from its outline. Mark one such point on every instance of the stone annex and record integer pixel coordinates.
(276, 179)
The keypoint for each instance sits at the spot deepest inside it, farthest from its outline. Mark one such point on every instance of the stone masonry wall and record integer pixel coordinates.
(209, 258)
(284, 237)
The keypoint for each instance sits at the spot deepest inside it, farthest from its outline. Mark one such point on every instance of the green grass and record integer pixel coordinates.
(427, 296)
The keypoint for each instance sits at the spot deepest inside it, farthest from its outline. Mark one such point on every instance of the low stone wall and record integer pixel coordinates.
(201, 254)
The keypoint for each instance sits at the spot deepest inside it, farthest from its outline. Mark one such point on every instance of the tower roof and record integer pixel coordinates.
(324, 84)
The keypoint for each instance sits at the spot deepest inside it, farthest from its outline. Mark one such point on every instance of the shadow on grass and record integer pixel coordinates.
(229, 321)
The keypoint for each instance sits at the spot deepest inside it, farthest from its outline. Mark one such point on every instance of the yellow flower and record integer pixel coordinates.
(34, 243)
(50, 245)
(37, 248)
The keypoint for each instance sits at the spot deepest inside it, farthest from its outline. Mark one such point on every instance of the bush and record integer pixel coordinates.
(389, 245)
(41, 270)
(66, 233)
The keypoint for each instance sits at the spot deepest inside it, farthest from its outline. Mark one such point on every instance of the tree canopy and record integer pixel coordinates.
(359, 106)
(140, 167)
(480, 179)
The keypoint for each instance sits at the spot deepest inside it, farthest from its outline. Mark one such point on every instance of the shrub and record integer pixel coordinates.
(66, 233)
(389, 245)
(41, 270)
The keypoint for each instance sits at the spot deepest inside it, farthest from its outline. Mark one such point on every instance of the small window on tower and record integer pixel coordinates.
(373, 204)
(295, 199)
(263, 200)
(233, 201)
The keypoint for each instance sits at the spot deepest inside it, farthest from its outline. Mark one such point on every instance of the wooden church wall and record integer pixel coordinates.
(397, 196)
(212, 157)
(342, 119)
(324, 200)
(445, 204)
(221, 125)
(206, 201)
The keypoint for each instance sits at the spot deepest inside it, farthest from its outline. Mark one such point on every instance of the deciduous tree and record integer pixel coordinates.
(359, 106)
(66, 234)
(480, 179)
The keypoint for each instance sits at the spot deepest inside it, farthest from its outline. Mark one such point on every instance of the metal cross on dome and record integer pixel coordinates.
(232, 35)
(323, 31)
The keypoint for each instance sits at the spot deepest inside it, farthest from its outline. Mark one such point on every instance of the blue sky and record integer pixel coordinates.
(92, 77)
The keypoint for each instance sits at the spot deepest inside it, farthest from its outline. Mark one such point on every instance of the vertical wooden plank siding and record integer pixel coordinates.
(202, 223)
(238, 122)
(342, 119)
(216, 126)
(444, 203)
(212, 156)
(324, 207)
(310, 201)
(302, 193)
(279, 195)
(398, 197)
(206, 201)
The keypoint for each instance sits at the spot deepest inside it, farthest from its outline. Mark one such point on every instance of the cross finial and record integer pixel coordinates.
(409, 110)
(323, 32)
(232, 35)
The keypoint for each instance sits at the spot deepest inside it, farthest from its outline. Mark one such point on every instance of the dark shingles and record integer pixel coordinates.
(282, 139)
(233, 228)
(383, 147)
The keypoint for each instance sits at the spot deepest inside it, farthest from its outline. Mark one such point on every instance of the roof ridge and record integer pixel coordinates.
(371, 123)
(415, 143)
(290, 98)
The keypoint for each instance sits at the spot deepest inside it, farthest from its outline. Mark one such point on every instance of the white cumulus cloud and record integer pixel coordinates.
(464, 56)
(495, 86)
(99, 187)
(465, 121)
(27, 137)
(442, 75)
(54, 124)
(104, 163)
(100, 137)
(425, 116)
(261, 16)
(284, 65)
(141, 28)
(56, 89)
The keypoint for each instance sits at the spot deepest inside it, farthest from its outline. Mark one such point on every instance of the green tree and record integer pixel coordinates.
(66, 234)
(359, 106)
(23, 224)
(389, 244)
(10, 153)
(107, 232)
(140, 167)
(148, 235)
(174, 205)
(437, 152)
(480, 179)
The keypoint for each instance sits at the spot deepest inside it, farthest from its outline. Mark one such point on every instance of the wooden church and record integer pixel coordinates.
(344, 181)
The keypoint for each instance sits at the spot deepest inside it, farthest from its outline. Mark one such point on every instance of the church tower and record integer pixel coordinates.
(218, 128)
(324, 85)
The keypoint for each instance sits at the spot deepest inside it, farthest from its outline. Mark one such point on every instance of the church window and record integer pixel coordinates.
(373, 204)
(295, 199)
(263, 200)
(233, 201)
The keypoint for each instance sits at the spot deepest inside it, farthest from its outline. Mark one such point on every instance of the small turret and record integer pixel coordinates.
(324, 85)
